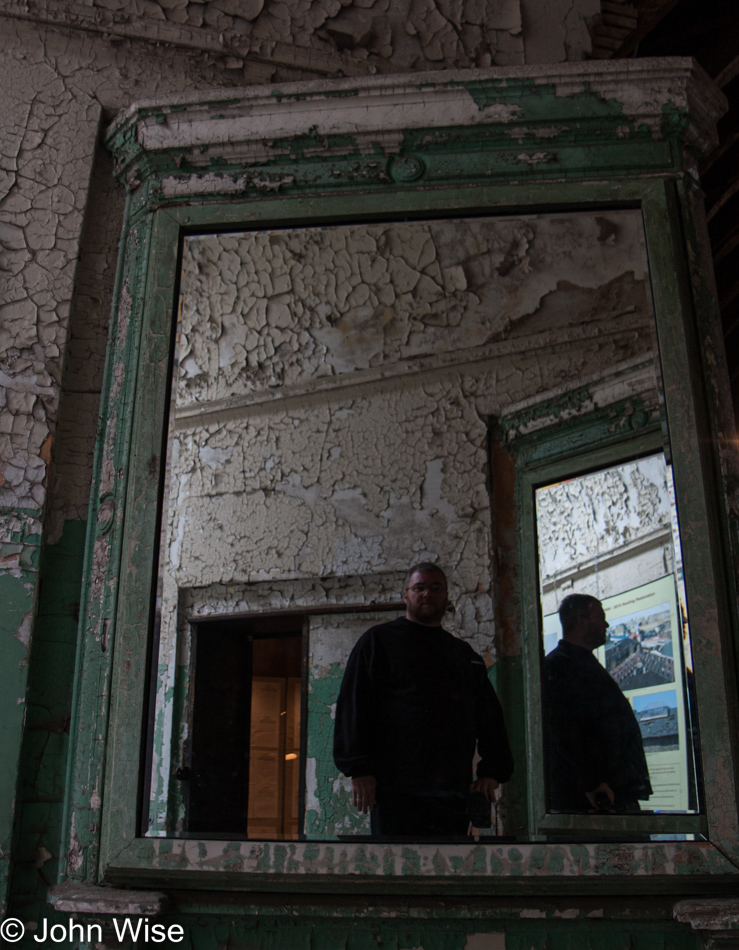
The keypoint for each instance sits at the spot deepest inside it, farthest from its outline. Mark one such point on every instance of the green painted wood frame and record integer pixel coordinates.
(604, 438)
(113, 658)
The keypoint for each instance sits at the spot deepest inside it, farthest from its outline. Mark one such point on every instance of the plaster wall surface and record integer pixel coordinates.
(272, 309)
(359, 35)
(606, 532)
(61, 81)
(379, 467)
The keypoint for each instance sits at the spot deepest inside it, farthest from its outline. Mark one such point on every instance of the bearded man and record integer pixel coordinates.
(595, 752)
(414, 706)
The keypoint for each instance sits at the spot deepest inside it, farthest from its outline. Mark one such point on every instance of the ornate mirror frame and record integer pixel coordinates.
(576, 137)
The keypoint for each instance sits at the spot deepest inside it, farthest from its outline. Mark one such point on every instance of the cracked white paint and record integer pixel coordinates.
(56, 89)
(43, 182)
(586, 525)
(55, 86)
(308, 592)
(371, 35)
(62, 75)
(602, 513)
(371, 479)
(270, 310)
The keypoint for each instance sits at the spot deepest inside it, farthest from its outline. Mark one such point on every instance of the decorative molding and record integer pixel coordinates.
(405, 168)
(200, 146)
(631, 385)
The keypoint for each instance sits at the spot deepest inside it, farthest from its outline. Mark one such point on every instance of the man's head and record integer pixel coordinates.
(425, 594)
(583, 621)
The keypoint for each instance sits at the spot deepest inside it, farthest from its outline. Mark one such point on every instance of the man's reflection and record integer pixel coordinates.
(595, 755)
(413, 703)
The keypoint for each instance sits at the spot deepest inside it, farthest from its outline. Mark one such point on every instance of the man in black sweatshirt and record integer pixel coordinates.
(414, 703)
(595, 752)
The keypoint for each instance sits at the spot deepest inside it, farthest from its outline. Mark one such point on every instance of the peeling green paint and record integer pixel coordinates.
(20, 530)
(543, 104)
(19, 552)
(43, 754)
(366, 862)
(567, 132)
(555, 862)
(495, 864)
(596, 427)
(334, 807)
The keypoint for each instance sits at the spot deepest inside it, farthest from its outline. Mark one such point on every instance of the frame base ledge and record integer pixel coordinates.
(714, 914)
(73, 897)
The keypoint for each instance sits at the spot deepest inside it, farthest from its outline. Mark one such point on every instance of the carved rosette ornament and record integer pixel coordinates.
(406, 168)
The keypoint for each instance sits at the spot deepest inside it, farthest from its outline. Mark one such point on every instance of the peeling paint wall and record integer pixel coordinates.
(50, 150)
(67, 67)
(49, 135)
(357, 36)
(377, 467)
(583, 525)
(328, 807)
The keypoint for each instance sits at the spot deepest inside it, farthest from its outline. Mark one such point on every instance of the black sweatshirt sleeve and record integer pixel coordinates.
(353, 725)
(492, 738)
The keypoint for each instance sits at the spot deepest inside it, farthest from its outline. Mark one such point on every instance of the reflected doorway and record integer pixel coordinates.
(246, 753)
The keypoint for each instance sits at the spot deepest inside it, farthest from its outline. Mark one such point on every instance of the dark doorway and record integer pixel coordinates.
(246, 759)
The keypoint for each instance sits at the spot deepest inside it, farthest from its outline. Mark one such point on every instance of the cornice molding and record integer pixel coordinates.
(535, 121)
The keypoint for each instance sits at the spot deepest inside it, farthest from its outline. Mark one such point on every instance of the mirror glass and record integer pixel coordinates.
(332, 397)
(619, 715)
